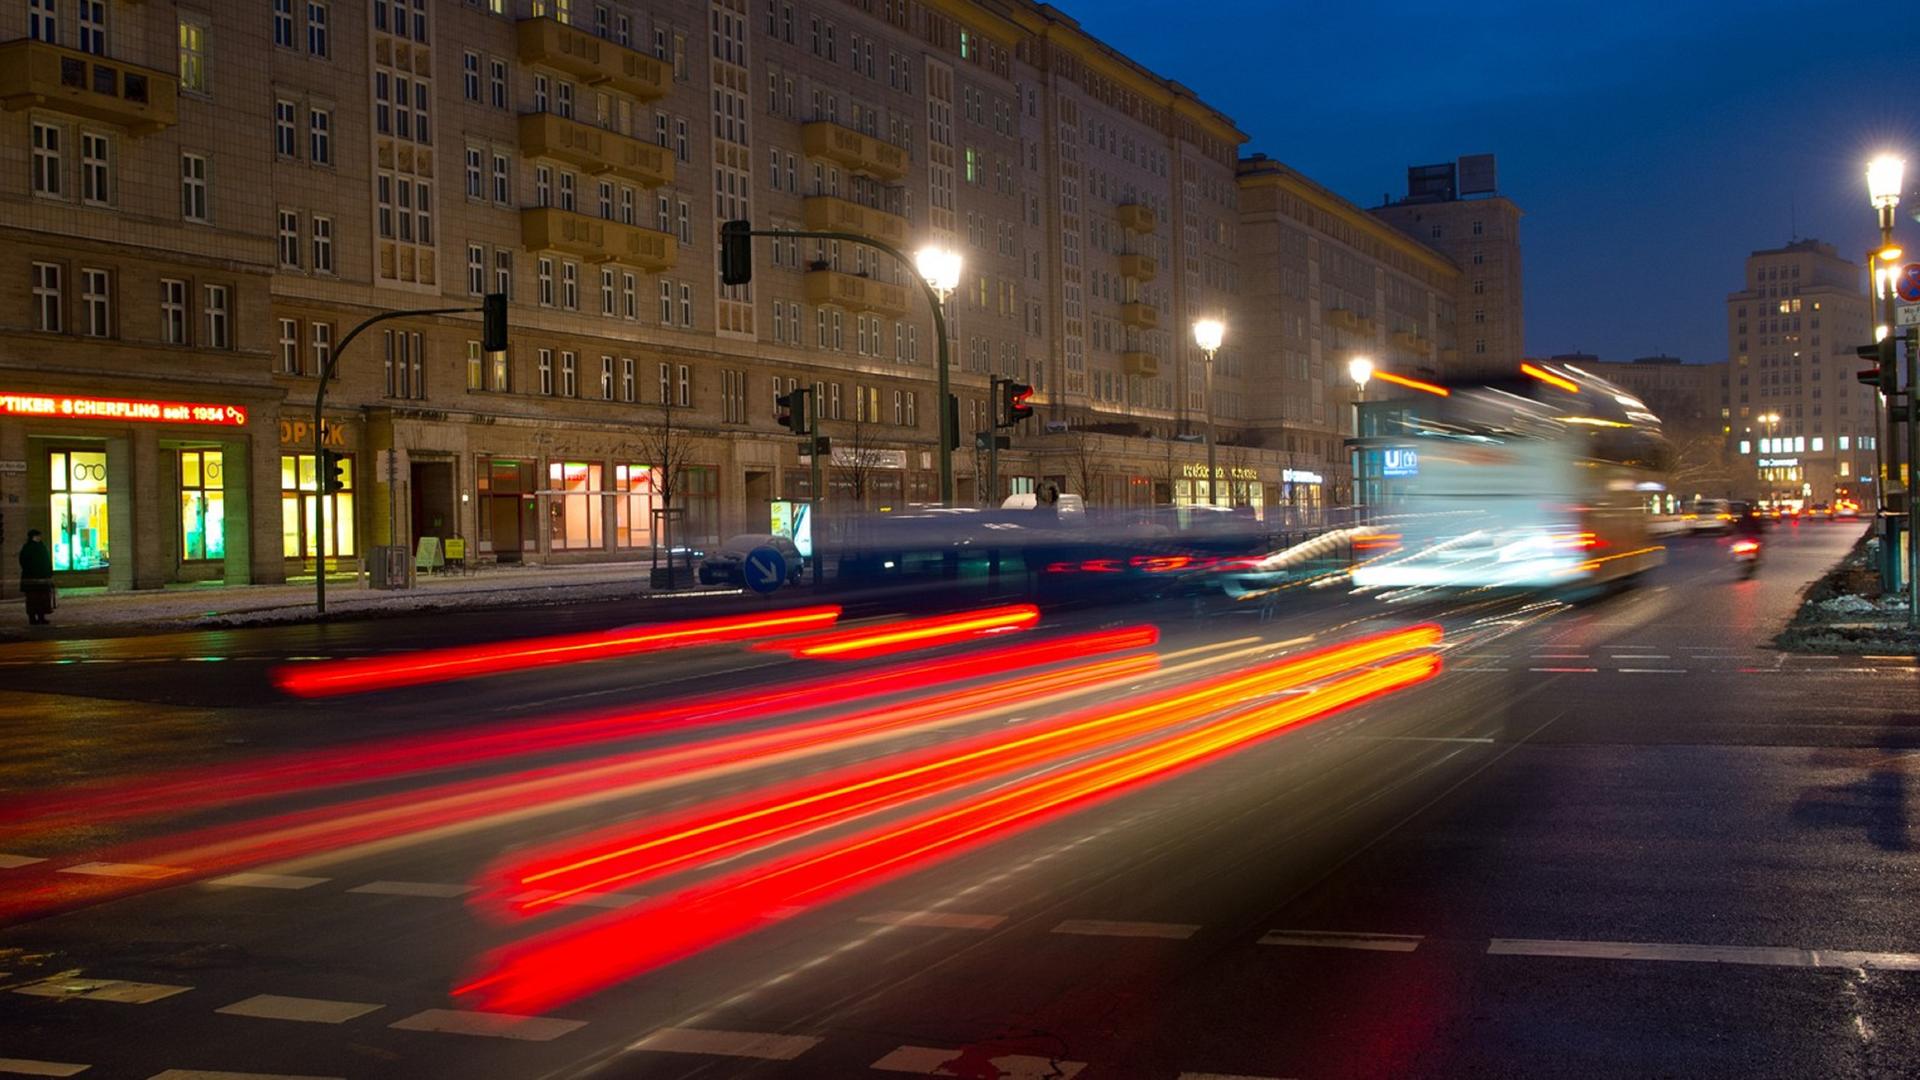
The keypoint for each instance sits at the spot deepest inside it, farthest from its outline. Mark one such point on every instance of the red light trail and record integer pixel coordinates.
(906, 634)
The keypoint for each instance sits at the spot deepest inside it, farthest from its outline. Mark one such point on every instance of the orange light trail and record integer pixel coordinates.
(1412, 384)
(908, 634)
(571, 962)
(470, 661)
(1550, 378)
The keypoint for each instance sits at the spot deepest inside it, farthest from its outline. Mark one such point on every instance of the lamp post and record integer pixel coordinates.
(1359, 369)
(940, 268)
(1208, 333)
(1771, 420)
(1885, 174)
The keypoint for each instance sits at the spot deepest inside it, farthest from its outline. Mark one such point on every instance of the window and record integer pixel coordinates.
(626, 378)
(546, 282)
(218, 315)
(630, 296)
(666, 384)
(48, 304)
(405, 364)
(606, 378)
(607, 301)
(96, 303)
(317, 32)
(193, 55)
(501, 371)
(320, 136)
(289, 239)
(299, 508)
(476, 367)
(633, 506)
(574, 505)
(43, 23)
(470, 75)
(666, 308)
(79, 488)
(322, 245)
(193, 187)
(203, 533)
(503, 271)
(686, 304)
(476, 270)
(283, 138)
(173, 316)
(289, 344)
(321, 345)
(685, 376)
(47, 169)
(569, 375)
(96, 185)
(570, 286)
(497, 83)
(502, 187)
(546, 371)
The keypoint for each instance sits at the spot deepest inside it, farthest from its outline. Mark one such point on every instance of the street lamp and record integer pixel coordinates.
(1359, 369)
(1771, 419)
(940, 268)
(1208, 333)
(1885, 174)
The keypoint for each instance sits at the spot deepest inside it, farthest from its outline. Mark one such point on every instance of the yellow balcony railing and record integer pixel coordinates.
(855, 293)
(592, 59)
(859, 153)
(36, 74)
(1140, 316)
(595, 150)
(1137, 217)
(549, 228)
(1413, 343)
(1144, 364)
(1138, 267)
(826, 213)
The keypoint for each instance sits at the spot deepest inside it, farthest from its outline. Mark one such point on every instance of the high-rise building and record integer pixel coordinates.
(1457, 209)
(1799, 423)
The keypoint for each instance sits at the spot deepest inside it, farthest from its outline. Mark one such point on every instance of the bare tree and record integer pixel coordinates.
(855, 468)
(1083, 460)
(1699, 465)
(668, 446)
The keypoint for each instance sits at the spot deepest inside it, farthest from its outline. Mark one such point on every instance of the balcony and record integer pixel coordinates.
(1136, 217)
(548, 228)
(1413, 343)
(1143, 364)
(1140, 316)
(859, 153)
(1349, 320)
(36, 74)
(856, 293)
(593, 60)
(828, 214)
(1138, 267)
(594, 150)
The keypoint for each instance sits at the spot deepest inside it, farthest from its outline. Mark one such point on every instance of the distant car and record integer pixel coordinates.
(1709, 516)
(726, 564)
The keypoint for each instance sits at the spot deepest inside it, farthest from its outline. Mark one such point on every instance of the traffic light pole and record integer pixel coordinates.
(993, 441)
(939, 332)
(327, 369)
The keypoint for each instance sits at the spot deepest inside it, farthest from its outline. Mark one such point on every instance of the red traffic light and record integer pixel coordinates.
(1017, 402)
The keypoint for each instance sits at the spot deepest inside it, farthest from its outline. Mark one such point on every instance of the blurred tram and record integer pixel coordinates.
(1543, 481)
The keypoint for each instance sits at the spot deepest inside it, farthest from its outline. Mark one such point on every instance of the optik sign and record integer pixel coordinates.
(1399, 463)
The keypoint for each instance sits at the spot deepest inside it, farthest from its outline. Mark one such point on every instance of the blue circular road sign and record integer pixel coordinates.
(765, 569)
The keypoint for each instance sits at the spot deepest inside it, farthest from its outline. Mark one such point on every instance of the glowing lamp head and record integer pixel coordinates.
(1208, 333)
(939, 266)
(1885, 174)
(1360, 369)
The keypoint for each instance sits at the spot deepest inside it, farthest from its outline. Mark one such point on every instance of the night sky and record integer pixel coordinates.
(1650, 145)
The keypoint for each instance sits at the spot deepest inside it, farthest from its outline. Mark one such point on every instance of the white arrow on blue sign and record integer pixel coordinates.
(766, 569)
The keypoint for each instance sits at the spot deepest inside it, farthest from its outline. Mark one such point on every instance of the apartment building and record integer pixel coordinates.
(1798, 422)
(207, 198)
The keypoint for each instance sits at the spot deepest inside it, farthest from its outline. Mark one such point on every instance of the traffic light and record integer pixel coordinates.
(736, 252)
(1881, 375)
(1016, 402)
(493, 323)
(333, 471)
(796, 411)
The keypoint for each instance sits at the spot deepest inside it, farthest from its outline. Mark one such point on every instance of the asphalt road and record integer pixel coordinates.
(1619, 838)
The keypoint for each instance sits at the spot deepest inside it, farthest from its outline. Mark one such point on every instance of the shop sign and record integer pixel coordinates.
(92, 408)
(1299, 476)
(1779, 462)
(848, 457)
(1400, 463)
(300, 432)
(1199, 472)
(15, 466)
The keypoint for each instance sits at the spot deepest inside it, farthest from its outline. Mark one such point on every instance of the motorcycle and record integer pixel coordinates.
(1746, 555)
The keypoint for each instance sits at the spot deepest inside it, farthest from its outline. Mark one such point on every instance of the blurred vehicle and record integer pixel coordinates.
(1536, 483)
(1846, 508)
(1746, 555)
(1708, 516)
(1820, 511)
(727, 563)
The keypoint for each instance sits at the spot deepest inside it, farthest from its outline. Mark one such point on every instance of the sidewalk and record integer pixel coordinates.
(1845, 612)
(202, 607)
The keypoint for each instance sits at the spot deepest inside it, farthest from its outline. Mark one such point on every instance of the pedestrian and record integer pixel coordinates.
(36, 578)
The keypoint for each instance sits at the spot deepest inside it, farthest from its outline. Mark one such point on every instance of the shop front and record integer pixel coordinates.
(301, 495)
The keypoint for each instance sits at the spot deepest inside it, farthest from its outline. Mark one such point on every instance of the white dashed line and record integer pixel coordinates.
(1317, 939)
(1653, 671)
(494, 1025)
(1104, 928)
(927, 1061)
(1566, 670)
(28, 1067)
(14, 862)
(210, 1074)
(128, 993)
(267, 881)
(945, 920)
(1763, 955)
(1222, 1076)
(1642, 656)
(741, 1044)
(308, 1010)
(600, 900)
(126, 870)
(411, 888)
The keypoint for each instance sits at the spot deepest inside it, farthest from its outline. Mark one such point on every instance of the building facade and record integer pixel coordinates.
(1799, 424)
(1687, 399)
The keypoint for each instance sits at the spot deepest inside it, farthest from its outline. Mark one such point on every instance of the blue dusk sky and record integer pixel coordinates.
(1650, 145)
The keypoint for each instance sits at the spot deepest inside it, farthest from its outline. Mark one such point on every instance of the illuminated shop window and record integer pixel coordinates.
(79, 482)
(203, 512)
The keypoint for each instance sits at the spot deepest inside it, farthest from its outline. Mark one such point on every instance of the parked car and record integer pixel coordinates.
(727, 563)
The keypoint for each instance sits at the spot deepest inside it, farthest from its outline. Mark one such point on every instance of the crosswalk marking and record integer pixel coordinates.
(945, 920)
(1320, 939)
(931, 1061)
(310, 1010)
(267, 881)
(120, 990)
(495, 1025)
(1106, 928)
(126, 870)
(29, 1067)
(745, 1044)
(411, 888)
(13, 862)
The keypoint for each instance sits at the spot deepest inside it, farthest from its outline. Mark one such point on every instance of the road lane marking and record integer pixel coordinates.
(267, 881)
(1222, 1076)
(125, 870)
(1321, 939)
(1642, 656)
(1763, 955)
(945, 920)
(927, 1061)
(1566, 670)
(309, 1010)
(1477, 740)
(120, 990)
(27, 1067)
(14, 862)
(614, 900)
(212, 1074)
(742, 1044)
(1106, 928)
(489, 1024)
(1653, 671)
(411, 888)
